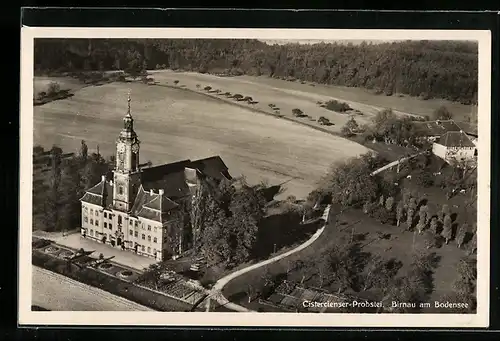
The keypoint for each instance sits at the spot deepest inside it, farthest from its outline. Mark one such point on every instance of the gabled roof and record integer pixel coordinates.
(468, 128)
(101, 194)
(213, 167)
(455, 139)
(151, 206)
(437, 128)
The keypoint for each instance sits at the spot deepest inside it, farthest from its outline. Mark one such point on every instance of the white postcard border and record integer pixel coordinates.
(28, 317)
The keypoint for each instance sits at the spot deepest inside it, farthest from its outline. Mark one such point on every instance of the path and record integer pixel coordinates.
(395, 163)
(216, 291)
(59, 293)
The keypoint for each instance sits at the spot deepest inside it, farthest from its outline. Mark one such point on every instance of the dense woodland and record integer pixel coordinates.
(428, 69)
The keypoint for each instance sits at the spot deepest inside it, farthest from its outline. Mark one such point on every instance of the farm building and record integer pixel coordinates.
(142, 209)
(455, 146)
(433, 130)
(470, 130)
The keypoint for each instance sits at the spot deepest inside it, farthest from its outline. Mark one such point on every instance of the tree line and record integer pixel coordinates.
(430, 69)
(59, 184)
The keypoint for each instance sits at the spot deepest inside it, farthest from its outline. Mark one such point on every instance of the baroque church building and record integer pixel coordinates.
(143, 209)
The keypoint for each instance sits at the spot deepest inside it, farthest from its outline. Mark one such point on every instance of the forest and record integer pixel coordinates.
(428, 69)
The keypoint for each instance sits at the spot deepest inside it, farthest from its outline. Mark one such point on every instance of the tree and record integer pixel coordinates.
(297, 112)
(434, 225)
(421, 225)
(400, 210)
(389, 204)
(51, 204)
(461, 233)
(445, 211)
(409, 218)
(350, 128)
(430, 239)
(412, 203)
(473, 244)
(374, 274)
(381, 200)
(446, 233)
(176, 82)
(442, 113)
(53, 89)
(84, 151)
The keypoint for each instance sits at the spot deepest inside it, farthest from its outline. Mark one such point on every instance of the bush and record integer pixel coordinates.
(382, 215)
(334, 105)
(297, 112)
(424, 178)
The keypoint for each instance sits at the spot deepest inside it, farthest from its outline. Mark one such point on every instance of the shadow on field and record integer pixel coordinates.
(281, 230)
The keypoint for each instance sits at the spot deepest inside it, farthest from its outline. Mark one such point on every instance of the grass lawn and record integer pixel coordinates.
(174, 124)
(353, 223)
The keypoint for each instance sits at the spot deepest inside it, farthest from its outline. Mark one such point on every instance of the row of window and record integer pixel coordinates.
(132, 222)
(136, 234)
(96, 222)
(97, 212)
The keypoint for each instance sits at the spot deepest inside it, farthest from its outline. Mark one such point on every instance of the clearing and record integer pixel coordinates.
(175, 124)
(288, 95)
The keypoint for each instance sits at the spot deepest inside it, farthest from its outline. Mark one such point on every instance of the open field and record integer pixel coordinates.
(289, 95)
(175, 125)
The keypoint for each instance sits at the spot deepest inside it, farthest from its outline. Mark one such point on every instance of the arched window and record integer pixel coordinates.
(91, 221)
(119, 219)
(120, 190)
(149, 249)
(155, 240)
(149, 238)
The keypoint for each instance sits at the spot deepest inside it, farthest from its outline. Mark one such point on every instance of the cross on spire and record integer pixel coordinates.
(128, 103)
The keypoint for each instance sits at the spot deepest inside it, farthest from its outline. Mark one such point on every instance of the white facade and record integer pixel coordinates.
(450, 154)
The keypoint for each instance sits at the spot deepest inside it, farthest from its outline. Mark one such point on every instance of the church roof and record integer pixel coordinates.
(213, 167)
(169, 177)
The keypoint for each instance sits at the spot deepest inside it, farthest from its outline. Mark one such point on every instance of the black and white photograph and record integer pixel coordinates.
(321, 177)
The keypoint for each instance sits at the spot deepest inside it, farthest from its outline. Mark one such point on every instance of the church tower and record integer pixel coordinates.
(126, 175)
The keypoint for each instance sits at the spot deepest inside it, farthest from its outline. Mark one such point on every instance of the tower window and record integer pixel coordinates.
(111, 226)
(105, 215)
(120, 190)
(119, 219)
